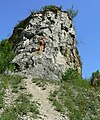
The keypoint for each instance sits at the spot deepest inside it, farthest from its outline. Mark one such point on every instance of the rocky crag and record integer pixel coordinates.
(45, 45)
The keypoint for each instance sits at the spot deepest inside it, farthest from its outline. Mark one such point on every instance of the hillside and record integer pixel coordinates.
(30, 99)
(41, 71)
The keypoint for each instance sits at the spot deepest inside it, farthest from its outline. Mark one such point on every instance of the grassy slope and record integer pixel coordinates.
(77, 99)
(21, 104)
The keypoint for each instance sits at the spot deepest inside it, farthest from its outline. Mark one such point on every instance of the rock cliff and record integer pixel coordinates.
(45, 45)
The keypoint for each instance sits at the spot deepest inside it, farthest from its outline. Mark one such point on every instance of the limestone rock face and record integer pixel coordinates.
(46, 47)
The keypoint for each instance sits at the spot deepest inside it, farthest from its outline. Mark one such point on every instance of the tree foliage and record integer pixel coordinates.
(6, 55)
(95, 79)
(70, 75)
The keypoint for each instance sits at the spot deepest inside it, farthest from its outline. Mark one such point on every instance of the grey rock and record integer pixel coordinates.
(58, 53)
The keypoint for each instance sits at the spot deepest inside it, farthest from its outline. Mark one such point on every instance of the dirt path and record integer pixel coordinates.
(46, 109)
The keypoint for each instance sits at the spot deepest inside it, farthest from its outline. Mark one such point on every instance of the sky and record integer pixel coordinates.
(87, 25)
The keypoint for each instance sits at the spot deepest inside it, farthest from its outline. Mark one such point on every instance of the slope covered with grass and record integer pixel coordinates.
(15, 102)
(77, 98)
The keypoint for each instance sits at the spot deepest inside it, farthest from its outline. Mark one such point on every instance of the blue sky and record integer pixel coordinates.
(87, 25)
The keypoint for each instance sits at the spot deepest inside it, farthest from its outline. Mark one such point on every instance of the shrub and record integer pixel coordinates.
(95, 79)
(6, 56)
(51, 7)
(70, 74)
(71, 12)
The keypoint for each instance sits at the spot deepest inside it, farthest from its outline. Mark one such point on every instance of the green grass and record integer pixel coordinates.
(9, 114)
(1, 99)
(22, 105)
(74, 96)
(43, 83)
(40, 82)
(78, 99)
(13, 81)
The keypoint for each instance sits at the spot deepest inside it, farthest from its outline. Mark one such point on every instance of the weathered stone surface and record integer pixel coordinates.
(47, 46)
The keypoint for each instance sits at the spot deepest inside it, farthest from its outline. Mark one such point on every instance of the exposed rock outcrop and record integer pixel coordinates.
(45, 45)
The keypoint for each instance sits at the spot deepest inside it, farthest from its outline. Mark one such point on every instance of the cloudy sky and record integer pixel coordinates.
(87, 25)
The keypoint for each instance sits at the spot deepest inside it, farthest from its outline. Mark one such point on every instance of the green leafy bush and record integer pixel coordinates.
(6, 56)
(95, 79)
(70, 74)
(51, 7)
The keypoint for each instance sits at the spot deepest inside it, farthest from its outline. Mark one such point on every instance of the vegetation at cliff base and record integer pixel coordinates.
(95, 79)
(76, 97)
(6, 56)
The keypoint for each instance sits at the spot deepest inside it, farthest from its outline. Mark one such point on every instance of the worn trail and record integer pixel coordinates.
(47, 111)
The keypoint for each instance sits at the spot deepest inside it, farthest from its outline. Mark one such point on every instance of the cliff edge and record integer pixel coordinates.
(45, 45)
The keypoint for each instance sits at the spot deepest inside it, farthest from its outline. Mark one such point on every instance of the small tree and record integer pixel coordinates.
(70, 75)
(95, 79)
(6, 55)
